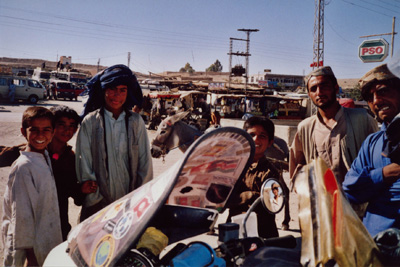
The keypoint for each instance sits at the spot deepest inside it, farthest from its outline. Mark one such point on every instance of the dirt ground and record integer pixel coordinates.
(10, 117)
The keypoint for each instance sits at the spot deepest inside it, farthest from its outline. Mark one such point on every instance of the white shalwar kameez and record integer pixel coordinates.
(31, 216)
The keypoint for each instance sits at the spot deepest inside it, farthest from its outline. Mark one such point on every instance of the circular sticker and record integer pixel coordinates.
(123, 225)
(103, 252)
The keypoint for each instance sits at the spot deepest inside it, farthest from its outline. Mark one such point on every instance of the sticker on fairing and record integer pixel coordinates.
(103, 251)
(123, 225)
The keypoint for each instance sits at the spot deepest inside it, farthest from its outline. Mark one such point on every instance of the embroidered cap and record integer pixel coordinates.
(323, 71)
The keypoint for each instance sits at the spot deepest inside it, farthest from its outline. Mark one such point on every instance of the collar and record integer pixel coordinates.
(261, 161)
(109, 114)
(339, 115)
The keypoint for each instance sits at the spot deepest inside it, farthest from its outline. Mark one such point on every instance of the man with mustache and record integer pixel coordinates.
(335, 133)
(374, 175)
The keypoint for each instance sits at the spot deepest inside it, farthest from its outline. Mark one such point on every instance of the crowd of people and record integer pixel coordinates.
(112, 158)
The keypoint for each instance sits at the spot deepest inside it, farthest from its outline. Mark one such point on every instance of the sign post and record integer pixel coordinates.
(373, 50)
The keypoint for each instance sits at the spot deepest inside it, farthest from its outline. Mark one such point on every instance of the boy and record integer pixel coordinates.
(62, 161)
(112, 148)
(248, 189)
(31, 221)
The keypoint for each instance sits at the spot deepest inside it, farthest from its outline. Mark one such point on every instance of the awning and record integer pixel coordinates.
(164, 95)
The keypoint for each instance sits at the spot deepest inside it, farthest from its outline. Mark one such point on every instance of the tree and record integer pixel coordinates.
(187, 68)
(216, 67)
(354, 93)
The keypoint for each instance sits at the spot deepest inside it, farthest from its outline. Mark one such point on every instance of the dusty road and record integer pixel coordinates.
(10, 135)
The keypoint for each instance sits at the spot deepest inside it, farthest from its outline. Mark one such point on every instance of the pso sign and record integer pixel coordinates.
(373, 50)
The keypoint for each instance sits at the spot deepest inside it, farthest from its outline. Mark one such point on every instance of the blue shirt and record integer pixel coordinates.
(364, 183)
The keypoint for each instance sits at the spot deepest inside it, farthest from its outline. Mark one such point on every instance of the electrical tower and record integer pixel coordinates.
(245, 54)
(318, 46)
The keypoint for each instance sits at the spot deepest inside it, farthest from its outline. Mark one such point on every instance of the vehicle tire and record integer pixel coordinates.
(33, 99)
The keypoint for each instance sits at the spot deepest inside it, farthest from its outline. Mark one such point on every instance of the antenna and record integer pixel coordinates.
(318, 46)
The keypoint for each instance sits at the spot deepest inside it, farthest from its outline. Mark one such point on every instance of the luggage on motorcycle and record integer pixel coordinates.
(197, 254)
(203, 178)
(331, 231)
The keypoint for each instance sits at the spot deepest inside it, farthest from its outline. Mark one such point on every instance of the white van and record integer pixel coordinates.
(26, 89)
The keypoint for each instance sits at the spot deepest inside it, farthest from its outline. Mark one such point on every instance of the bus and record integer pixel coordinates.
(75, 77)
(40, 75)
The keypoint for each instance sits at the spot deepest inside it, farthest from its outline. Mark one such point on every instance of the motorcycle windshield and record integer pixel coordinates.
(203, 178)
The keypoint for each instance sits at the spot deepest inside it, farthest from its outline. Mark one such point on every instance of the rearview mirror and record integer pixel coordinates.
(272, 198)
(272, 195)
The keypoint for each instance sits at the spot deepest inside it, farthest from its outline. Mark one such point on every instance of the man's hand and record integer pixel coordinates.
(391, 173)
(89, 187)
(248, 196)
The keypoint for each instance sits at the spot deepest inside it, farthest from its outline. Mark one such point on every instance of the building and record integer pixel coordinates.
(277, 81)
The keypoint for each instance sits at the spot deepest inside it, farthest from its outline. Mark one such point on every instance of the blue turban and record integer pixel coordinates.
(108, 78)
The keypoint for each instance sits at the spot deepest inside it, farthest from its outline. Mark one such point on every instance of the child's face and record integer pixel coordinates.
(115, 98)
(38, 134)
(65, 129)
(261, 140)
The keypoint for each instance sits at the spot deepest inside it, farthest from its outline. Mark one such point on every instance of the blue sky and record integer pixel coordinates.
(165, 35)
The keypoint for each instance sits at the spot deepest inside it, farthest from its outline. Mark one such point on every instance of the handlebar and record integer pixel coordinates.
(282, 242)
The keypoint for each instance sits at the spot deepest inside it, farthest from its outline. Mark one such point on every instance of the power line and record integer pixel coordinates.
(374, 4)
(375, 11)
(330, 25)
(391, 4)
(118, 26)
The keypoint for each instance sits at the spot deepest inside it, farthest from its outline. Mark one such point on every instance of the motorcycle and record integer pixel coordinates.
(171, 220)
(182, 203)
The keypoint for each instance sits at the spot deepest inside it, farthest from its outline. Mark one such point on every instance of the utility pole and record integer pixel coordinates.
(246, 54)
(129, 58)
(98, 65)
(393, 33)
(318, 46)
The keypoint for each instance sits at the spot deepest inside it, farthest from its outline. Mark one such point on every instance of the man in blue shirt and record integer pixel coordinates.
(373, 177)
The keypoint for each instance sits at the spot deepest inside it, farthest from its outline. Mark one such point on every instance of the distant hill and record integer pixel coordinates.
(34, 63)
(93, 69)
(348, 83)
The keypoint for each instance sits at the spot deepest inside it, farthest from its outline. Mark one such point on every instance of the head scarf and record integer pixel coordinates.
(109, 78)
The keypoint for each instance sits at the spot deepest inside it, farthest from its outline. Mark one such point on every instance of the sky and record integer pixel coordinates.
(164, 35)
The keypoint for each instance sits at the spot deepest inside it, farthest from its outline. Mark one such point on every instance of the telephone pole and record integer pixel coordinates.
(393, 33)
(129, 58)
(245, 54)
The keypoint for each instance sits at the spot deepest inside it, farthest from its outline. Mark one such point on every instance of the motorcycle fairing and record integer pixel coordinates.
(203, 178)
(331, 231)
